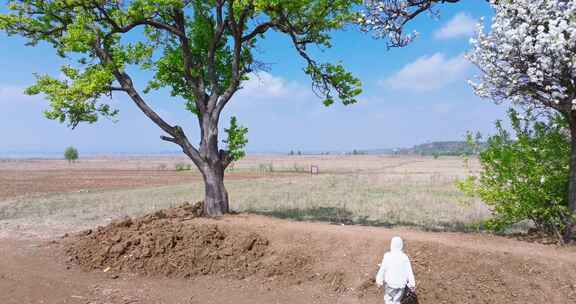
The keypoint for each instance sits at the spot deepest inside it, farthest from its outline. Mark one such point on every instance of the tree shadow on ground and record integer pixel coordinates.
(338, 215)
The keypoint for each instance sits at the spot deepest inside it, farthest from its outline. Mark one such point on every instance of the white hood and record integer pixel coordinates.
(396, 244)
(395, 269)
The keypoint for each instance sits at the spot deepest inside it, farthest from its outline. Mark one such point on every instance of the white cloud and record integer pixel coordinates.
(263, 85)
(461, 25)
(429, 73)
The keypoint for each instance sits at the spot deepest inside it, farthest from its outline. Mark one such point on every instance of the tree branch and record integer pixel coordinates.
(216, 40)
(260, 29)
(170, 139)
(300, 45)
(388, 17)
(179, 30)
(145, 21)
(237, 27)
(196, 83)
(116, 89)
(127, 85)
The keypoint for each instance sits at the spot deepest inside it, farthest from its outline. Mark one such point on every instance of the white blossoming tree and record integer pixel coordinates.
(387, 19)
(529, 58)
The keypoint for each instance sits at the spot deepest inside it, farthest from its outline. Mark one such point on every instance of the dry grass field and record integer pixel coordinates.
(365, 189)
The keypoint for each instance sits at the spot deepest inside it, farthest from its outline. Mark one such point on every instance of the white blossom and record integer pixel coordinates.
(529, 55)
(386, 19)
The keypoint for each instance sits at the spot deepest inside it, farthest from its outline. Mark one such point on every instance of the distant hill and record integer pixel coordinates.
(438, 148)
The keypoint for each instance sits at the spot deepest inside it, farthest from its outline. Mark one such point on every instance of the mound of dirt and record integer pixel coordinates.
(168, 243)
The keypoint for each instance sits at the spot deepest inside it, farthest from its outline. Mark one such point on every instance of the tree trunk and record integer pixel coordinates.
(215, 194)
(572, 181)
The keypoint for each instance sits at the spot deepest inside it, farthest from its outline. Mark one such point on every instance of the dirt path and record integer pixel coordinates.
(450, 268)
(32, 272)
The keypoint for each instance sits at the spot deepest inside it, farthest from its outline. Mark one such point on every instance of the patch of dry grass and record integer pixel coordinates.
(434, 204)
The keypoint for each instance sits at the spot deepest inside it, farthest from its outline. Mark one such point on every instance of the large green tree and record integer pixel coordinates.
(200, 51)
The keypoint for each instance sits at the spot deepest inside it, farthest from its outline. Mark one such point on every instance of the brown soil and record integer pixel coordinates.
(163, 244)
(169, 243)
(20, 183)
(325, 261)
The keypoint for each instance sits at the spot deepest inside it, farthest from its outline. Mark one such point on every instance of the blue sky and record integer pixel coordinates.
(411, 95)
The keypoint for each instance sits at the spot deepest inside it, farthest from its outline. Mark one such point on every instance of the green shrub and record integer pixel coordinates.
(71, 154)
(183, 167)
(525, 177)
(236, 140)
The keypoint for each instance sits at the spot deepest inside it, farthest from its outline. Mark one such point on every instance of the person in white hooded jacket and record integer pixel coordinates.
(395, 272)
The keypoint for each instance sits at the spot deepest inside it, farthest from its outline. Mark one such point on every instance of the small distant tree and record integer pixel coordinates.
(525, 175)
(71, 154)
(528, 59)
